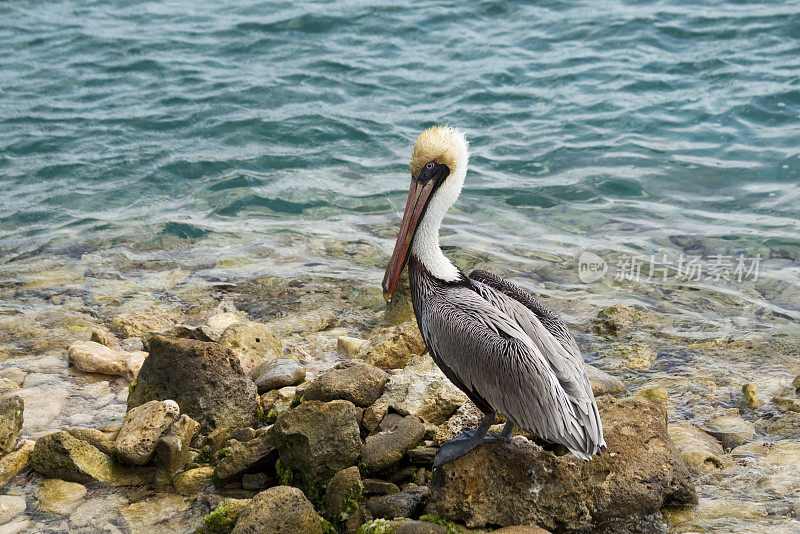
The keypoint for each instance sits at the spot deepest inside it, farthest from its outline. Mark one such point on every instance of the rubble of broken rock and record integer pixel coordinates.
(227, 428)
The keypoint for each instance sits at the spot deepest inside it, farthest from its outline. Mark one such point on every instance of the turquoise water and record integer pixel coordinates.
(156, 152)
(598, 125)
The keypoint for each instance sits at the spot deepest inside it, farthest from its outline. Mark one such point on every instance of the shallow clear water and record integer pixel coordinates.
(150, 152)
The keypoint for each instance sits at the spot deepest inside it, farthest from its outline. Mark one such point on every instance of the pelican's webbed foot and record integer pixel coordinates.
(465, 442)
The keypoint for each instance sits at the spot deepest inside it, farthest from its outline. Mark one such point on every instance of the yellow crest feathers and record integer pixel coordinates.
(434, 144)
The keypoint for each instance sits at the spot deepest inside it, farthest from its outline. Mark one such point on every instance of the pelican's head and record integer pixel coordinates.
(438, 167)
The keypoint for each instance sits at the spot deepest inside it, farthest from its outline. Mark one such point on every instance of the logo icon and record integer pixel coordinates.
(591, 267)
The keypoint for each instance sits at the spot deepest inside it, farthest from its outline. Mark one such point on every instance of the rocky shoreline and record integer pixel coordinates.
(226, 431)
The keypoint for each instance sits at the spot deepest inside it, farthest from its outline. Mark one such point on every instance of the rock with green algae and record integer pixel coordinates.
(60, 455)
(141, 430)
(11, 410)
(750, 396)
(16, 460)
(59, 497)
(316, 440)
(402, 526)
(787, 403)
(281, 509)
(655, 394)
(253, 343)
(354, 381)
(103, 438)
(344, 495)
(519, 483)
(224, 516)
(193, 480)
(205, 379)
(392, 347)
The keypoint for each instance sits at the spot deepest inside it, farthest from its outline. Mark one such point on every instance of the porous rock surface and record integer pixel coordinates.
(519, 483)
(204, 378)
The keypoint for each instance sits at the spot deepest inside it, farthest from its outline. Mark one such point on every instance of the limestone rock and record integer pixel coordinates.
(655, 394)
(200, 333)
(277, 399)
(402, 526)
(7, 387)
(102, 438)
(519, 483)
(730, 430)
(750, 396)
(142, 429)
(316, 440)
(193, 480)
(241, 457)
(786, 403)
(253, 343)
(349, 346)
(205, 379)
(104, 336)
(10, 507)
(59, 496)
(15, 461)
(521, 529)
(393, 347)
(344, 494)
(173, 450)
(376, 486)
(281, 509)
(224, 516)
(421, 389)
(407, 503)
(467, 417)
(357, 382)
(603, 383)
(135, 323)
(92, 357)
(11, 410)
(385, 449)
(60, 455)
(698, 449)
(278, 373)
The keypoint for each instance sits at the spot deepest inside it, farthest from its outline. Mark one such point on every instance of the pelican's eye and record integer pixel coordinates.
(430, 165)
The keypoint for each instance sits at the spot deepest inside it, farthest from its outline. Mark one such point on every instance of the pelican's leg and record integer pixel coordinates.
(506, 433)
(465, 442)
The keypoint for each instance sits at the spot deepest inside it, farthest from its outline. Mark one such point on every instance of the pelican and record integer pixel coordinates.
(491, 338)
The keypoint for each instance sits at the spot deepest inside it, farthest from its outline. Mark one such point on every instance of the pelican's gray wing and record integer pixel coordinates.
(493, 355)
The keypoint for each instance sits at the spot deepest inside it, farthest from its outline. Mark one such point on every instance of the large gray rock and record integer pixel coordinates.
(355, 381)
(282, 509)
(10, 422)
(278, 373)
(519, 483)
(383, 450)
(315, 441)
(142, 429)
(205, 379)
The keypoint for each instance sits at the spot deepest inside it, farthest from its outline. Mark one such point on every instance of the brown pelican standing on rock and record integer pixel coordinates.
(491, 338)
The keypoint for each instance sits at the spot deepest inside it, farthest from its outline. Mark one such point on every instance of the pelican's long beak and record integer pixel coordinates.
(418, 197)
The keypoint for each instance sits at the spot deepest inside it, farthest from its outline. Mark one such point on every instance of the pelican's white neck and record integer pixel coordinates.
(426, 240)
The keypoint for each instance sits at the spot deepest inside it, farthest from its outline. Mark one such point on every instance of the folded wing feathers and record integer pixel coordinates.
(501, 348)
